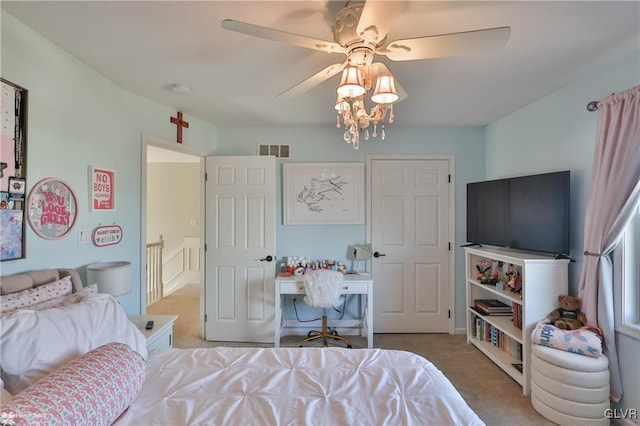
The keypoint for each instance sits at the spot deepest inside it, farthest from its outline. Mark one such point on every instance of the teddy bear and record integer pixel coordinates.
(568, 315)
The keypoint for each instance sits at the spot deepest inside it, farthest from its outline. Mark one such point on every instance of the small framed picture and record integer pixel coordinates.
(5, 203)
(17, 186)
(323, 193)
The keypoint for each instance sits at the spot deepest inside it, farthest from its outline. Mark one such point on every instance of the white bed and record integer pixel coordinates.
(331, 386)
(214, 386)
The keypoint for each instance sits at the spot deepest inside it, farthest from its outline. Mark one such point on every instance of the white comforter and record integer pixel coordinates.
(295, 386)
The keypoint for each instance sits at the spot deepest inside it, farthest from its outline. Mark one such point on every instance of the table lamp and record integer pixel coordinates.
(361, 253)
(113, 278)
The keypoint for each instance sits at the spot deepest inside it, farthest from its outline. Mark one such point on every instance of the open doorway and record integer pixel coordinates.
(172, 236)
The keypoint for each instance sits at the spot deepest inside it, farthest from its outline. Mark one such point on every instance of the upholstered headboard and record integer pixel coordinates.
(25, 280)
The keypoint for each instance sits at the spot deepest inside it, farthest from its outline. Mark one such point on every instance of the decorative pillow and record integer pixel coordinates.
(582, 341)
(90, 289)
(36, 343)
(32, 296)
(94, 389)
(66, 300)
(58, 301)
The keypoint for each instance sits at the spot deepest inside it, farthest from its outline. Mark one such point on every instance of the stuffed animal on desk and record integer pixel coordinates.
(568, 315)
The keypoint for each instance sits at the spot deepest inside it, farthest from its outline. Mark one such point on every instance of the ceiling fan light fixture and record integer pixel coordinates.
(385, 91)
(352, 113)
(351, 84)
(341, 104)
(360, 31)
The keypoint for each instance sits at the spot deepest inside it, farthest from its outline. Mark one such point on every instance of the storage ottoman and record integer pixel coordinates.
(568, 388)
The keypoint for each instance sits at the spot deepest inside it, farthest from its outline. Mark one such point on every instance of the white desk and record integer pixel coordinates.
(353, 284)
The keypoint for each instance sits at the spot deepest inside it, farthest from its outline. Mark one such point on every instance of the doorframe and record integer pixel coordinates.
(145, 141)
(452, 214)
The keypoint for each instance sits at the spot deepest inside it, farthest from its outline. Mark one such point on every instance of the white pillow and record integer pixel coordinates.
(35, 343)
(31, 296)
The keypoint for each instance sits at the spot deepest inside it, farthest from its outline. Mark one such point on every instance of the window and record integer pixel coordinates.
(627, 280)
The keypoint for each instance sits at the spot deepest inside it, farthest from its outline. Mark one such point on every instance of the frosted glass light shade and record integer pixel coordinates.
(385, 91)
(113, 278)
(351, 84)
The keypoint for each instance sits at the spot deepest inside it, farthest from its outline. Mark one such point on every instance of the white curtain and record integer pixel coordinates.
(614, 191)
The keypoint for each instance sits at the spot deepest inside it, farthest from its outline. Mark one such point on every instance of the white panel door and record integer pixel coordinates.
(240, 242)
(410, 222)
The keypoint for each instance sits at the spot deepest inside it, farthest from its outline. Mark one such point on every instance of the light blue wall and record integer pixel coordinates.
(325, 144)
(558, 133)
(77, 118)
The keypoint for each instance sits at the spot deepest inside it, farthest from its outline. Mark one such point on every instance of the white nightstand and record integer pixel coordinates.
(161, 335)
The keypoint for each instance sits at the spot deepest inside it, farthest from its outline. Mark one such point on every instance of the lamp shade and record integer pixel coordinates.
(113, 278)
(385, 91)
(351, 85)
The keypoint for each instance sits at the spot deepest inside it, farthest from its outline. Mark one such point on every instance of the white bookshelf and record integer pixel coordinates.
(544, 278)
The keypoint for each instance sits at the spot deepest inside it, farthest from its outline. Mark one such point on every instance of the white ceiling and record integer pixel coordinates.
(147, 46)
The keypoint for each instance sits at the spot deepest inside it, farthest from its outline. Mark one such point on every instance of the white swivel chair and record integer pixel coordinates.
(322, 288)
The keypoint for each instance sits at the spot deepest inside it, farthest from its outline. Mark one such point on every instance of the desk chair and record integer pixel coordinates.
(322, 289)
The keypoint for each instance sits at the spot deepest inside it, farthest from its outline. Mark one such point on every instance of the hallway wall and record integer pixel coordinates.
(173, 202)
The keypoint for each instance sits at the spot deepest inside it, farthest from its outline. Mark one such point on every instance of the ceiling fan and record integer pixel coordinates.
(360, 32)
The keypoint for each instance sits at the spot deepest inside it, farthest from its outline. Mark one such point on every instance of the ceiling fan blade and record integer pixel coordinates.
(378, 68)
(282, 36)
(377, 18)
(313, 81)
(446, 45)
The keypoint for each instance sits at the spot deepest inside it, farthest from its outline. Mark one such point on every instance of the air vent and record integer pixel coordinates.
(280, 151)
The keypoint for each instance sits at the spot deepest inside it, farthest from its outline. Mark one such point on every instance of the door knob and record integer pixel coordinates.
(269, 258)
(377, 254)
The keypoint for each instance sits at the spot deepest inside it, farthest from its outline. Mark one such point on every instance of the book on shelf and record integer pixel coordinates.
(491, 304)
(492, 307)
(485, 332)
(517, 316)
(483, 312)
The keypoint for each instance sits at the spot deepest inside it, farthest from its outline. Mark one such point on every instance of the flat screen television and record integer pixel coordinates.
(529, 213)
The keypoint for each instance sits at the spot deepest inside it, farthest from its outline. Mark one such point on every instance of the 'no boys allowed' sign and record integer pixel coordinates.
(102, 189)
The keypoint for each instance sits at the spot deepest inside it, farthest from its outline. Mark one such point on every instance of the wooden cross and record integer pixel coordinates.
(178, 121)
